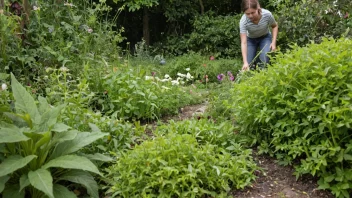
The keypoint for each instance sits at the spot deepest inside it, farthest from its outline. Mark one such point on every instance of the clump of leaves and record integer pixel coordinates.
(176, 165)
(300, 108)
(206, 130)
(131, 96)
(38, 153)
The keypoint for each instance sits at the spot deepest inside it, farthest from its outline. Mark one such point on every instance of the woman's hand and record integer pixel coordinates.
(245, 67)
(273, 46)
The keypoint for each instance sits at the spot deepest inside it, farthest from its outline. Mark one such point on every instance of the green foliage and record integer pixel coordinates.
(300, 108)
(205, 130)
(200, 66)
(10, 40)
(177, 165)
(304, 21)
(216, 35)
(132, 96)
(38, 151)
(211, 35)
(62, 34)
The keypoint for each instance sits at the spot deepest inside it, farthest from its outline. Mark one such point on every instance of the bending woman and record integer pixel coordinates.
(255, 34)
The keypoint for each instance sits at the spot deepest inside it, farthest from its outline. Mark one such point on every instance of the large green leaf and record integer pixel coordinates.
(82, 139)
(24, 181)
(10, 135)
(65, 136)
(14, 163)
(62, 192)
(42, 180)
(73, 162)
(99, 157)
(60, 127)
(12, 192)
(49, 118)
(3, 181)
(24, 101)
(43, 105)
(16, 119)
(83, 178)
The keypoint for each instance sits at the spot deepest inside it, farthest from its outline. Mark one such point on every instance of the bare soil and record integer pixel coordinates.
(275, 181)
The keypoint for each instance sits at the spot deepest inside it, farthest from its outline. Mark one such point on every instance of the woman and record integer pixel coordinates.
(254, 31)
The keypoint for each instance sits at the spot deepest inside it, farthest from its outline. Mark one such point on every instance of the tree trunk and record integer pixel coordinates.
(146, 33)
(2, 4)
(201, 7)
(27, 10)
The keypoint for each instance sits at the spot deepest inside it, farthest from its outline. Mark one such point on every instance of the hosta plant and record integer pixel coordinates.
(38, 153)
(177, 166)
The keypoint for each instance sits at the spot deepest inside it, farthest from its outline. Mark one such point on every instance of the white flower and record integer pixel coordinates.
(175, 82)
(165, 80)
(181, 75)
(3, 86)
(163, 87)
(148, 77)
(189, 76)
(187, 69)
(166, 76)
(63, 69)
(35, 8)
(69, 4)
(89, 30)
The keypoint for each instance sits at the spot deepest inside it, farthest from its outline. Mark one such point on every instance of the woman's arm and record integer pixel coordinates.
(244, 51)
(275, 30)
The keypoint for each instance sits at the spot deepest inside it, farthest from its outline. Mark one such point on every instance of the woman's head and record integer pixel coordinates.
(251, 8)
(247, 4)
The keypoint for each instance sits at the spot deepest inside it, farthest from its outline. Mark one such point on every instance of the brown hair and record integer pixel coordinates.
(246, 4)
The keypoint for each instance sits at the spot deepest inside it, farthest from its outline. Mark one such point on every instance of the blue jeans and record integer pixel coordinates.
(262, 44)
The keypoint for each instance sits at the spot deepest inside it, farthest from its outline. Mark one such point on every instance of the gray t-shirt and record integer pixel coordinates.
(257, 30)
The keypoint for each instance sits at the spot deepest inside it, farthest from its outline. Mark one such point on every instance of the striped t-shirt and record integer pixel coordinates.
(257, 30)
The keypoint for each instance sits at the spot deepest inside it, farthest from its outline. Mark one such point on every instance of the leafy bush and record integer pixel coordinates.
(132, 96)
(177, 165)
(201, 66)
(216, 35)
(61, 34)
(300, 108)
(37, 151)
(304, 21)
(205, 130)
(10, 41)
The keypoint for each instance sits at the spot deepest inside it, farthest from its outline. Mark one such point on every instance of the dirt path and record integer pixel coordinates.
(276, 181)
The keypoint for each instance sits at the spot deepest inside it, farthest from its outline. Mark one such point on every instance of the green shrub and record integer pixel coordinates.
(204, 129)
(304, 21)
(60, 34)
(177, 165)
(218, 35)
(300, 108)
(38, 153)
(211, 35)
(200, 66)
(130, 95)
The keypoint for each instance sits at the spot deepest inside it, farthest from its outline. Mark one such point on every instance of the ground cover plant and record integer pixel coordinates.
(300, 110)
(176, 165)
